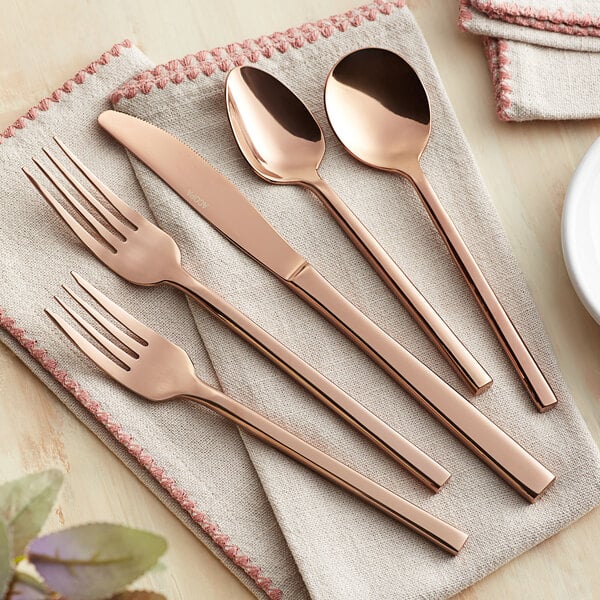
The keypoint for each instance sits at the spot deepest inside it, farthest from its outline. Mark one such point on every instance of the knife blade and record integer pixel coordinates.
(212, 195)
(228, 210)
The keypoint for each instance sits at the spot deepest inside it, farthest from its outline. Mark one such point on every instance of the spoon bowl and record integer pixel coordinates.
(275, 131)
(378, 108)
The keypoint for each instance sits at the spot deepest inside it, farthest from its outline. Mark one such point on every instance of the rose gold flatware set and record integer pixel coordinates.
(379, 110)
(224, 206)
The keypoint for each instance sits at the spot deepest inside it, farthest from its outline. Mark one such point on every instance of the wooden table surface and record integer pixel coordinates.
(526, 167)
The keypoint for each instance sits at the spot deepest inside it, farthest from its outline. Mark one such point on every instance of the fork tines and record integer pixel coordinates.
(116, 360)
(110, 229)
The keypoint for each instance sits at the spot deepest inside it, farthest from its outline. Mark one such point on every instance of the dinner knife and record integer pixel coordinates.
(218, 201)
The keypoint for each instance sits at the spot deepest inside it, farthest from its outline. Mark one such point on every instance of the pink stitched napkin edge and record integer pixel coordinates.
(225, 58)
(557, 21)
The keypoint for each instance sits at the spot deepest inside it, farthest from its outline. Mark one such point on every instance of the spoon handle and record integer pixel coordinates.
(496, 448)
(446, 341)
(528, 370)
(414, 460)
(435, 530)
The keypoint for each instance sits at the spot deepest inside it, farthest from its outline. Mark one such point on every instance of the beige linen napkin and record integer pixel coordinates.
(544, 55)
(343, 548)
(192, 459)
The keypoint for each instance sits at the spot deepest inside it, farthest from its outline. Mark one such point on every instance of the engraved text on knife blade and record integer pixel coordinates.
(196, 199)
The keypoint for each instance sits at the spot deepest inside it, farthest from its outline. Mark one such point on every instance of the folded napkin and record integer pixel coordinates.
(310, 538)
(544, 55)
(192, 459)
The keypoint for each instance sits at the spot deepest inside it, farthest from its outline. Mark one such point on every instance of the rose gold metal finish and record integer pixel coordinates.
(283, 143)
(207, 191)
(145, 255)
(159, 370)
(379, 109)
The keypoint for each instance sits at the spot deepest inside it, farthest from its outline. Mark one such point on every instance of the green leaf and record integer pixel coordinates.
(25, 504)
(5, 566)
(26, 587)
(138, 595)
(92, 562)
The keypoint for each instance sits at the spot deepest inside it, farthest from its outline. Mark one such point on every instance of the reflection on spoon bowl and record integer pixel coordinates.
(378, 108)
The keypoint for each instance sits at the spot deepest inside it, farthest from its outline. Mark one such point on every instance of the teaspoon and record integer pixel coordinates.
(283, 143)
(379, 110)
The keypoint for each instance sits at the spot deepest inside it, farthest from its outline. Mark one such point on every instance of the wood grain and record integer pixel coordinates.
(526, 167)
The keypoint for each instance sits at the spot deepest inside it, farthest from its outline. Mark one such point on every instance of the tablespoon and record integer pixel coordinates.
(283, 143)
(379, 110)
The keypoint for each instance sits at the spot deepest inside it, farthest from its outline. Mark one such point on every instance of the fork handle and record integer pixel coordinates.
(446, 341)
(496, 448)
(419, 464)
(435, 530)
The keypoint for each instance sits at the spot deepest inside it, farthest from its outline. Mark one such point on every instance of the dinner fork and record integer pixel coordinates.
(153, 367)
(144, 254)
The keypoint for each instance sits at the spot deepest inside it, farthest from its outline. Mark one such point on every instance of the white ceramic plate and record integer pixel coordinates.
(581, 230)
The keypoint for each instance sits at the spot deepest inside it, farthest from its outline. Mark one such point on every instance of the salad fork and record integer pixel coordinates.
(153, 367)
(144, 254)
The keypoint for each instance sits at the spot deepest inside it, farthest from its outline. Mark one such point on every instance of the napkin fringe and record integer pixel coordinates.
(67, 87)
(222, 540)
(558, 21)
(225, 58)
(496, 52)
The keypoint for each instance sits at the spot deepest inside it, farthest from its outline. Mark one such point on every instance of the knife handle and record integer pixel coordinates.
(414, 460)
(425, 524)
(445, 340)
(496, 448)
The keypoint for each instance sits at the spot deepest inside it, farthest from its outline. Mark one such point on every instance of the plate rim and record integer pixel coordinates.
(574, 199)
